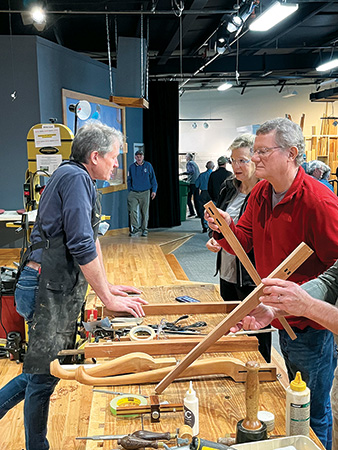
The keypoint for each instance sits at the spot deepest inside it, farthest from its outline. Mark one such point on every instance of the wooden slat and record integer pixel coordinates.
(176, 267)
(169, 346)
(283, 271)
(164, 309)
(242, 255)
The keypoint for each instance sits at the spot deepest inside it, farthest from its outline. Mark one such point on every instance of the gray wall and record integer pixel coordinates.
(38, 69)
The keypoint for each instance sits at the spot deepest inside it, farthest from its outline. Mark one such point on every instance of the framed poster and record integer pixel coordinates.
(109, 114)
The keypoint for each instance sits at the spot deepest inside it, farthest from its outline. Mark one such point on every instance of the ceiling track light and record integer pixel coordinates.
(244, 11)
(277, 12)
(36, 16)
(328, 65)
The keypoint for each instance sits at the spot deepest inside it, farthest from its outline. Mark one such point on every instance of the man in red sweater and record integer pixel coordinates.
(286, 208)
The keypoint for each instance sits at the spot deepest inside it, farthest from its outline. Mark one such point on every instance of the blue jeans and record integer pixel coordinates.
(25, 293)
(313, 354)
(34, 389)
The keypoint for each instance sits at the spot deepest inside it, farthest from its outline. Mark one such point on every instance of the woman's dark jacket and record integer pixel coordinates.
(229, 189)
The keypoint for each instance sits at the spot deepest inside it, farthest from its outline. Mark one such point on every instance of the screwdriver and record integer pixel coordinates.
(201, 444)
(141, 434)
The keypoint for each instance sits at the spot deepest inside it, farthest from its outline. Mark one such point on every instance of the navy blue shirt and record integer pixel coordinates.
(141, 177)
(202, 180)
(66, 206)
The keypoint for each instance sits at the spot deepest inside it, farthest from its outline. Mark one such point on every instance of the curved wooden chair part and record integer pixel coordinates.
(231, 367)
(130, 363)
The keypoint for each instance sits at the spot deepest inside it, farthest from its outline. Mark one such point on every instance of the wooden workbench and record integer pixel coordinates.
(76, 411)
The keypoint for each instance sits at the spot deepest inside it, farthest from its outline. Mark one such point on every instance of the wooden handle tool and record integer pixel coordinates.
(251, 422)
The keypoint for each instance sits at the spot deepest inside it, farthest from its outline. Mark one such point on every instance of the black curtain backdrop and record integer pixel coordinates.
(160, 137)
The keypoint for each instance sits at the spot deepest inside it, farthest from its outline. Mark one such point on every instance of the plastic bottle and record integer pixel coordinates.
(297, 407)
(191, 410)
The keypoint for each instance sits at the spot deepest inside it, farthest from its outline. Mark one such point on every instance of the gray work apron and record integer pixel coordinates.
(61, 293)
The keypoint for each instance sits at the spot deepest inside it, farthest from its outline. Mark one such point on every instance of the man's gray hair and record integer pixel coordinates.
(288, 134)
(244, 140)
(94, 136)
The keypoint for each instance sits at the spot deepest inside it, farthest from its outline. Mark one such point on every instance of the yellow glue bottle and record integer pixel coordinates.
(297, 407)
(191, 410)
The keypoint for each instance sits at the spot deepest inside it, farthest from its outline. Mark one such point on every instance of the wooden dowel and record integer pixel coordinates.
(283, 271)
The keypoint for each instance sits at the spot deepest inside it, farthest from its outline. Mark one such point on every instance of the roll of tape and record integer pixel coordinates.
(268, 418)
(127, 400)
(141, 329)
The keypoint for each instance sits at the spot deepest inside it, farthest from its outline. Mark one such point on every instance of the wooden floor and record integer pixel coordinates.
(76, 411)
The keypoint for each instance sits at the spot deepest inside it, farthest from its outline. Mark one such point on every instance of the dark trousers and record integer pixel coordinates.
(193, 193)
(204, 198)
(231, 291)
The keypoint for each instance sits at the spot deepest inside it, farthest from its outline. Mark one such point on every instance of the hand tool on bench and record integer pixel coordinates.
(283, 271)
(251, 428)
(141, 434)
(155, 409)
(201, 444)
(241, 255)
(133, 443)
(106, 391)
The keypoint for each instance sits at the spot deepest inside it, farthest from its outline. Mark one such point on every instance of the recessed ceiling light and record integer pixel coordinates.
(224, 86)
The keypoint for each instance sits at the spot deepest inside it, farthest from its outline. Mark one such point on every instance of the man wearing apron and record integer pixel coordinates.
(65, 254)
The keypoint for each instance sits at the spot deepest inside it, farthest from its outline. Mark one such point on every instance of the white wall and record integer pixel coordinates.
(254, 107)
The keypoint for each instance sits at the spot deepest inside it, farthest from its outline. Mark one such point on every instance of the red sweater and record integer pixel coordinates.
(308, 213)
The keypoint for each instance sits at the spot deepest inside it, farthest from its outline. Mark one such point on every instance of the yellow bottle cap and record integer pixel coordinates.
(298, 384)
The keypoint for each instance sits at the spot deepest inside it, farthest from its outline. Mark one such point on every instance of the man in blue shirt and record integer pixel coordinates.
(204, 197)
(64, 256)
(193, 171)
(142, 186)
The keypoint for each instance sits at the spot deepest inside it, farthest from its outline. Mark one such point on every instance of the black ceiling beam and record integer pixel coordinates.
(253, 63)
(194, 12)
(187, 22)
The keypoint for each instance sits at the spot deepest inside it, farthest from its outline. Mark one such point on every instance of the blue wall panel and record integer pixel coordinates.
(38, 69)
(18, 71)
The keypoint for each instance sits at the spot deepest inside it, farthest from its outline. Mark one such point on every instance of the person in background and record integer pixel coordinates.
(235, 282)
(317, 300)
(320, 171)
(284, 209)
(202, 185)
(142, 187)
(193, 171)
(217, 177)
(65, 255)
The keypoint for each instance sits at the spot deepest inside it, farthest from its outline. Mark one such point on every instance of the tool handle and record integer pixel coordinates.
(251, 422)
(203, 444)
(133, 443)
(152, 436)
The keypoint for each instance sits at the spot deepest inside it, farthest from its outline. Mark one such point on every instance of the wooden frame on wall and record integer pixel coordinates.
(109, 114)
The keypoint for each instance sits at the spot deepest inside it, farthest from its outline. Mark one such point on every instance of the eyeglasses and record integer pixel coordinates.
(239, 162)
(264, 152)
